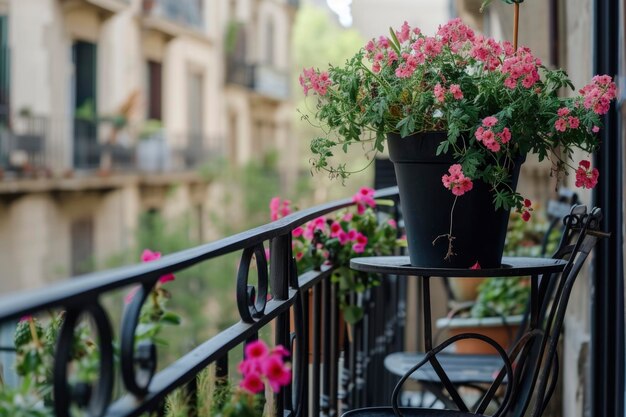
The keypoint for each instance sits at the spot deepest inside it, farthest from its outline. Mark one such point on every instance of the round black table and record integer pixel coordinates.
(511, 267)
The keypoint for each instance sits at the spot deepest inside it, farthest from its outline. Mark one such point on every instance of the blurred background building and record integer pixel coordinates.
(105, 105)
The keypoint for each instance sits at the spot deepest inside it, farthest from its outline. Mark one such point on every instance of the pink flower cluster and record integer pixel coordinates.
(488, 137)
(526, 209)
(586, 177)
(440, 92)
(312, 79)
(455, 34)
(380, 53)
(456, 181)
(522, 65)
(565, 121)
(279, 209)
(262, 364)
(598, 94)
(363, 198)
(486, 50)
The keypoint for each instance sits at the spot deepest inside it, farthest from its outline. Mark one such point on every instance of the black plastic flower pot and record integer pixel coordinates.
(479, 230)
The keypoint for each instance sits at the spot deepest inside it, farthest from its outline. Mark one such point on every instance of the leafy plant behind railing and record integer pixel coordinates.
(336, 238)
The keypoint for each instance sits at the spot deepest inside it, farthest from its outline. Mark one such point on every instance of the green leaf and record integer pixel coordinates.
(443, 147)
(352, 314)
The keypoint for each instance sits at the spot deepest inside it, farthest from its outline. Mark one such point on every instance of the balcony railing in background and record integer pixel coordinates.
(33, 146)
(330, 374)
(263, 79)
(184, 12)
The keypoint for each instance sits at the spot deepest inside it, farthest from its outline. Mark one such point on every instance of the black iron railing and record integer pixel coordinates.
(330, 373)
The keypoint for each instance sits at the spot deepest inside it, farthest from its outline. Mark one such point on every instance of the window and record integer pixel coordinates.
(269, 43)
(82, 250)
(155, 90)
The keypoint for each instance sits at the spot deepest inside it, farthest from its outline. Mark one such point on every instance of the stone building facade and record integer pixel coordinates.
(111, 108)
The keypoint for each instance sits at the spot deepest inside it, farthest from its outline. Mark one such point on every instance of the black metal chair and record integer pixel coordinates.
(476, 370)
(534, 357)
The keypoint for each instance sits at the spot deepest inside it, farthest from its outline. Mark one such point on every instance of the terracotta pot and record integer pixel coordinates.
(464, 289)
(489, 326)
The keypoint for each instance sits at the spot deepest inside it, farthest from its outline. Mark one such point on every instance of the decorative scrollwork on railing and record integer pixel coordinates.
(84, 394)
(251, 301)
(138, 360)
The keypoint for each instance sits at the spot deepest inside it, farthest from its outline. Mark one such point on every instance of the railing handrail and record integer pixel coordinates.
(15, 305)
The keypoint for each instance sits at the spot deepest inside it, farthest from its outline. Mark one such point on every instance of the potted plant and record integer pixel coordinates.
(459, 113)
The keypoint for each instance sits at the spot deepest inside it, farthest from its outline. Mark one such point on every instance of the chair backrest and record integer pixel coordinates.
(537, 359)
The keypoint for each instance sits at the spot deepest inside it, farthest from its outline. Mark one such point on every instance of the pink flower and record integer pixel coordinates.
(475, 266)
(299, 256)
(456, 92)
(343, 238)
(364, 197)
(404, 33)
(457, 182)
(585, 176)
(392, 223)
(252, 383)
(256, 350)
(563, 111)
(352, 234)
(358, 248)
(440, 93)
(347, 217)
(490, 121)
(598, 95)
(278, 375)
(455, 34)
(595, 129)
(149, 256)
(248, 366)
(505, 135)
(361, 239)
(297, 232)
(560, 125)
(312, 79)
(573, 122)
(335, 229)
(281, 351)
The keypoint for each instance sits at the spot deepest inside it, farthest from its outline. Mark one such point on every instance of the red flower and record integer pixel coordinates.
(585, 176)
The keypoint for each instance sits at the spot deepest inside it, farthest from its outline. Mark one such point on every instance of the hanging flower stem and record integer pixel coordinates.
(448, 235)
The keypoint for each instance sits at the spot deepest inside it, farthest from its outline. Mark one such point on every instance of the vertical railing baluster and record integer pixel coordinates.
(317, 334)
(326, 347)
(304, 377)
(334, 349)
(192, 395)
(280, 265)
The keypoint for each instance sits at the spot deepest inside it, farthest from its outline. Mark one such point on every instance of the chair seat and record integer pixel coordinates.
(461, 369)
(406, 412)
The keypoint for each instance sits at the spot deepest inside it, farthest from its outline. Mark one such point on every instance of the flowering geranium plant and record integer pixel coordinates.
(497, 104)
(260, 365)
(335, 239)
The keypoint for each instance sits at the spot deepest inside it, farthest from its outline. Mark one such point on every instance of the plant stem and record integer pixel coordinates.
(515, 26)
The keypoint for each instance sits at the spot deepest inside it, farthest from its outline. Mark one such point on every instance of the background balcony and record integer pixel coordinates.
(173, 17)
(263, 79)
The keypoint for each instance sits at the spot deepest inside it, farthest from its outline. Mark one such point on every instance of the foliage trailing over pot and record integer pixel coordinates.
(496, 102)
(335, 239)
